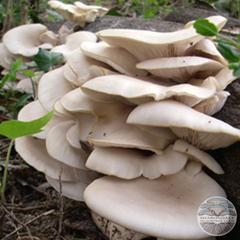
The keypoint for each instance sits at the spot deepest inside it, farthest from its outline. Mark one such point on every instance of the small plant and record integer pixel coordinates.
(13, 129)
(227, 46)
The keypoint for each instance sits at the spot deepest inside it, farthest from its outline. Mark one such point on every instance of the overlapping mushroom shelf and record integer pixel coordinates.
(135, 106)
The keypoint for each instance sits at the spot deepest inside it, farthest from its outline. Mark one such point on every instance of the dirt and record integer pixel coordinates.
(28, 195)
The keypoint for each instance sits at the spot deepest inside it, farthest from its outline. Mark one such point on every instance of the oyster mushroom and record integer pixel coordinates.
(116, 232)
(197, 128)
(206, 48)
(224, 78)
(78, 67)
(73, 189)
(165, 207)
(74, 41)
(59, 148)
(35, 110)
(79, 12)
(34, 152)
(128, 89)
(52, 86)
(181, 69)
(118, 58)
(196, 154)
(25, 40)
(132, 163)
(6, 57)
(213, 104)
(146, 45)
(110, 128)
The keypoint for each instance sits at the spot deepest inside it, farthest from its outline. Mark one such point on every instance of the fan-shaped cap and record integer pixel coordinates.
(34, 152)
(114, 87)
(213, 104)
(181, 69)
(74, 41)
(110, 128)
(131, 163)
(165, 207)
(52, 86)
(206, 48)
(72, 190)
(199, 129)
(6, 57)
(146, 45)
(80, 65)
(101, 11)
(79, 12)
(198, 155)
(59, 148)
(224, 78)
(118, 58)
(25, 39)
(49, 37)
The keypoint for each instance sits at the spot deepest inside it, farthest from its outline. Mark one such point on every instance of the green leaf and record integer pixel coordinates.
(28, 73)
(228, 52)
(11, 75)
(45, 60)
(113, 12)
(236, 68)
(14, 128)
(206, 28)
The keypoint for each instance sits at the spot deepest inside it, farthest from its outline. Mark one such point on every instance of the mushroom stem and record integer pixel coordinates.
(114, 231)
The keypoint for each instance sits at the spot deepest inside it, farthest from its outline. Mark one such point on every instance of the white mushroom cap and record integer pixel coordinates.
(25, 39)
(33, 111)
(74, 41)
(49, 37)
(80, 64)
(66, 10)
(70, 75)
(224, 78)
(206, 48)
(130, 163)
(52, 86)
(110, 128)
(73, 189)
(6, 57)
(181, 69)
(198, 155)
(148, 44)
(79, 13)
(118, 58)
(25, 85)
(199, 129)
(114, 87)
(99, 9)
(59, 148)
(165, 207)
(34, 152)
(214, 104)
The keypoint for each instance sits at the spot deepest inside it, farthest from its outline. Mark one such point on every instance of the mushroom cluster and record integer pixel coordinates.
(78, 12)
(136, 107)
(24, 42)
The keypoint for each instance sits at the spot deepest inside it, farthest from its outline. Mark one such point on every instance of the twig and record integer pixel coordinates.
(61, 206)
(26, 209)
(10, 214)
(29, 222)
(5, 174)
